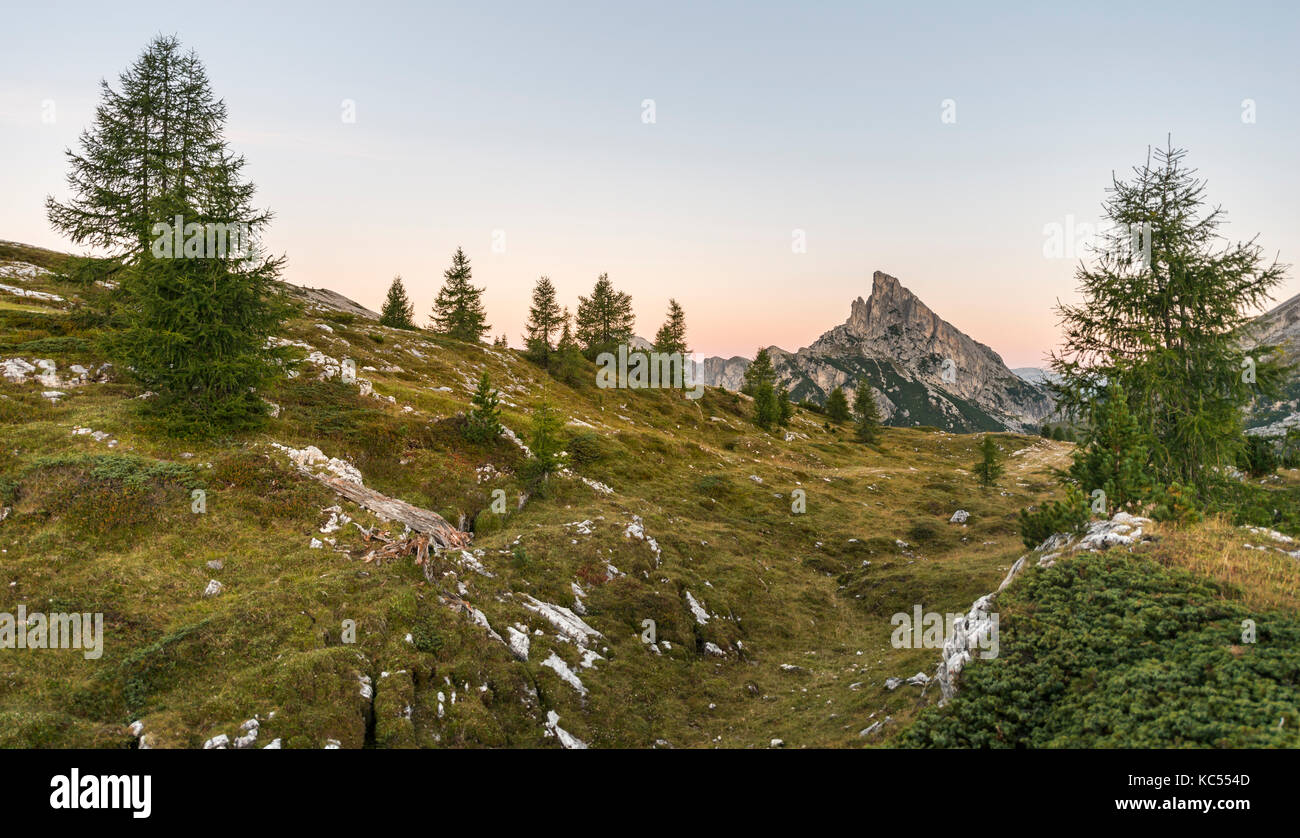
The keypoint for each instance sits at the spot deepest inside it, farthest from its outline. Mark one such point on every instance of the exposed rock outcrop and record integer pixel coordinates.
(973, 633)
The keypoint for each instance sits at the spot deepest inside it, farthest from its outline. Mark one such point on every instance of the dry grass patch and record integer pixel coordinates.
(1263, 579)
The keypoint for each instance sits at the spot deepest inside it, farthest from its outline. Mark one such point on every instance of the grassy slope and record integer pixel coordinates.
(106, 529)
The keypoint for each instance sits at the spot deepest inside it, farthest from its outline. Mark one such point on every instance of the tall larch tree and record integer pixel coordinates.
(1165, 304)
(156, 185)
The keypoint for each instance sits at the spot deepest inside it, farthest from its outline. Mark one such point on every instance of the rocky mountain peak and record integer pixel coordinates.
(924, 370)
(889, 304)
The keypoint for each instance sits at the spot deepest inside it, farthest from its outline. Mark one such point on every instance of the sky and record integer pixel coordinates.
(936, 143)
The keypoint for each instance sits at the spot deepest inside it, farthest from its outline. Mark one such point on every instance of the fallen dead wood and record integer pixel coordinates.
(416, 545)
(443, 535)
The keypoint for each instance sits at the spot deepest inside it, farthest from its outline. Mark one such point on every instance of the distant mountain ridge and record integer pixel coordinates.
(1035, 375)
(1278, 327)
(924, 370)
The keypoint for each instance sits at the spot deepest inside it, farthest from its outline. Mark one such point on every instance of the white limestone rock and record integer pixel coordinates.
(697, 610)
(567, 740)
(568, 624)
(518, 643)
(567, 675)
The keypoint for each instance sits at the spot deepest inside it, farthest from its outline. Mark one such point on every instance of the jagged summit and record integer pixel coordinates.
(888, 302)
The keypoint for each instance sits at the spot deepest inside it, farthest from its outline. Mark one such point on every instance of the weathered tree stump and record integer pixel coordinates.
(424, 521)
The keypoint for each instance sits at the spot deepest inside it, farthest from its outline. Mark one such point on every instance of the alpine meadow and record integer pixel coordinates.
(436, 398)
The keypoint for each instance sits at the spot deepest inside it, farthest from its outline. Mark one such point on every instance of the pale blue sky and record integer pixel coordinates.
(769, 118)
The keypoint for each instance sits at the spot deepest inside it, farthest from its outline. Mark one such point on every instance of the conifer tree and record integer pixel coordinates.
(1165, 320)
(543, 322)
(988, 469)
(866, 413)
(566, 362)
(397, 313)
(483, 422)
(785, 407)
(837, 406)
(198, 299)
(567, 340)
(458, 311)
(545, 442)
(1114, 455)
(1260, 457)
(767, 409)
(758, 373)
(671, 337)
(604, 319)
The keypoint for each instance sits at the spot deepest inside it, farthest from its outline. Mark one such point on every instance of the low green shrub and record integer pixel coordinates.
(584, 448)
(1110, 650)
(1069, 515)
